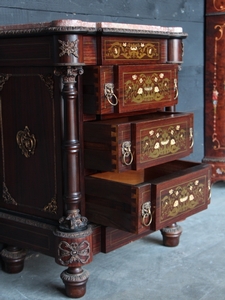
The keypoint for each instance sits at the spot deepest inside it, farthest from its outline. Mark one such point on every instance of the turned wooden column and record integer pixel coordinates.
(73, 236)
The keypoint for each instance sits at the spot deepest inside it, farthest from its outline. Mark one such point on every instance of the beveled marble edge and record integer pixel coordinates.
(53, 26)
(108, 27)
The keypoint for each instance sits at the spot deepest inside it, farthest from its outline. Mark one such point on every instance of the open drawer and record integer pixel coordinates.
(137, 142)
(128, 88)
(148, 199)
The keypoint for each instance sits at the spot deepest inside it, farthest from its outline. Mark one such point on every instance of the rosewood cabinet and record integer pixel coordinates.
(214, 151)
(91, 142)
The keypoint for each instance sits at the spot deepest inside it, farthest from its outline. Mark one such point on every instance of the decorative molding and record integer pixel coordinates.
(80, 277)
(74, 235)
(29, 222)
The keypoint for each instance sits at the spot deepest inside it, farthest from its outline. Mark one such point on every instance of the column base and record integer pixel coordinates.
(75, 284)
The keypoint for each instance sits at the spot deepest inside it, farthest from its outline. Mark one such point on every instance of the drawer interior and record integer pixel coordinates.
(134, 177)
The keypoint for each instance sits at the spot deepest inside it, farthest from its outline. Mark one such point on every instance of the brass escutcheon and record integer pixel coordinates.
(26, 142)
(146, 213)
(109, 94)
(126, 152)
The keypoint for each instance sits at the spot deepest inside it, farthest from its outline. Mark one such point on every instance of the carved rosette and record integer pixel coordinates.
(69, 48)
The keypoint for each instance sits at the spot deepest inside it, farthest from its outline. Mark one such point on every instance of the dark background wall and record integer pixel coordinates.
(188, 14)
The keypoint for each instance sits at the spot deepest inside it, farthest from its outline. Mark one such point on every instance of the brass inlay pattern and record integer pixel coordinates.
(3, 79)
(68, 47)
(219, 7)
(215, 94)
(149, 87)
(6, 195)
(183, 198)
(26, 142)
(131, 50)
(74, 252)
(162, 141)
(51, 207)
(49, 83)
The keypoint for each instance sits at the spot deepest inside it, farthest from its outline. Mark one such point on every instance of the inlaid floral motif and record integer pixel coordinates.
(163, 141)
(152, 86)
(182, 198)
(132, 50)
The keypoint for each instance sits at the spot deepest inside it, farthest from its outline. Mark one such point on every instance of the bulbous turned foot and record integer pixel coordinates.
(75, 284)
(171, 235)
(13, 259)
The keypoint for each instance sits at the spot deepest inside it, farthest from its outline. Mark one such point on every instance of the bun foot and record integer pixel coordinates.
(13, 259)
(171, 235)
(75, 284)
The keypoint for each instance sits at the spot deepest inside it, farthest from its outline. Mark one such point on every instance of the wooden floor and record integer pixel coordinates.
(143, 269)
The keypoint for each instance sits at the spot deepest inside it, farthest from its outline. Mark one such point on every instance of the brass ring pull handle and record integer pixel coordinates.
(109, 94)
(126, 153)
(146, 214)
(175, 89)
(191, 138)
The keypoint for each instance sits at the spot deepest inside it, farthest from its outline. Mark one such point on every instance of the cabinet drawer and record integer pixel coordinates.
(136, 201)
(123, 89)
(132, 50)
(137, 142)
(146, 87)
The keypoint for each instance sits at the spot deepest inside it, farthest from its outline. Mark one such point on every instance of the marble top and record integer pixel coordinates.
(78, 26)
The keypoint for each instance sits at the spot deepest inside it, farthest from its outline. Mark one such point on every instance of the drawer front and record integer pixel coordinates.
(146, 87)
(128, 50)
(177, 197)
(129, 143)
(122, 89)
(135, 201)
(164, 139)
